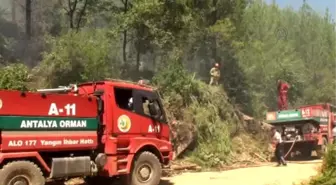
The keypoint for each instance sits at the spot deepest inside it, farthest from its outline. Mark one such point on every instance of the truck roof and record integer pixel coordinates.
(293, 115)
(121, 83)
(317, 104)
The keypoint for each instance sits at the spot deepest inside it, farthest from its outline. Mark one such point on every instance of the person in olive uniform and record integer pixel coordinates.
(215, 75)
(145, 104)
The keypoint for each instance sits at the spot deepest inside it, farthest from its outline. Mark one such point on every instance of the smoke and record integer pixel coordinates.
(5, 4)
(5, 8)
(14, 45)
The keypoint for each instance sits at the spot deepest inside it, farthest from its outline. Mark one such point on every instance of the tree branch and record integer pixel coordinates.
(74, 6)
(71, 12)
(81, 14)
(66, 10)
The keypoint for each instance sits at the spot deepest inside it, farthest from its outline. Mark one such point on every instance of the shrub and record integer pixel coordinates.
(199, 109)
(328, 170)
(14, 77)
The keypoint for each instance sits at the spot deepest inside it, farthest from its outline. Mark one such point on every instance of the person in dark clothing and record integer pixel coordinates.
(277, 141)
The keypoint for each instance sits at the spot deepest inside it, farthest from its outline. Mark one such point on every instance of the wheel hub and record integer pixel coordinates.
(145, 173)
(19, 180)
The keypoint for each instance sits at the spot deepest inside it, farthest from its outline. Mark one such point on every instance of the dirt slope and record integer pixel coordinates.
(265, 175)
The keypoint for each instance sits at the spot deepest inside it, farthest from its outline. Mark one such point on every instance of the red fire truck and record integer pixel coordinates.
(98, 129)
(306, 128)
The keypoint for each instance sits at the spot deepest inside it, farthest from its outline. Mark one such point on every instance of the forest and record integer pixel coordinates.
(174, 44)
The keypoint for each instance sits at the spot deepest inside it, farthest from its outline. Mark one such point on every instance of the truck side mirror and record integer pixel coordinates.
(100, 105)
(153, 110)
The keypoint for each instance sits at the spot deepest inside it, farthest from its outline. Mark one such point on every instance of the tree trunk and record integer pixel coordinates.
(14, 11)
(81, 14)
(28, 19)
(124, 47)
(125, 36)
(138, 57)
(140, 33)
(214, 18)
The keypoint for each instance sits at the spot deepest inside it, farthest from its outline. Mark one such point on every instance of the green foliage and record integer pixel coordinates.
(14, 77)
(213, 118)
(328, 172)
(78, 57)
(175, 79)
(155, 24)
(283, 44)
(192, 101)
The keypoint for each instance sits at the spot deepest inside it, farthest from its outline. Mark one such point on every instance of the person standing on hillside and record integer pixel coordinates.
(215, 75)
(143, 82)
(277, 142)
(282, 95)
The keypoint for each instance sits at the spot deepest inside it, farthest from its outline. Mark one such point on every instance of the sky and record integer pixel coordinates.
(318, 5)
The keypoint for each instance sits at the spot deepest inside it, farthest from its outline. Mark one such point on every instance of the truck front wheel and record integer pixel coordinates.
(21, 173)
(146, 170)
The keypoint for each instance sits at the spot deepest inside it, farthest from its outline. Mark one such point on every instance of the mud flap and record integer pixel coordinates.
(321, 149)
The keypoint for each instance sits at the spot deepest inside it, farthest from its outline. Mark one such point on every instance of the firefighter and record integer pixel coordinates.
(277, 142)
(282, 95)
(130, 103)
(215, 75)
(143, 82)
(145, 107)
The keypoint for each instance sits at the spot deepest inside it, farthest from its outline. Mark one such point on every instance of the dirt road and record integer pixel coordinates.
(265, 175)
(295, 172)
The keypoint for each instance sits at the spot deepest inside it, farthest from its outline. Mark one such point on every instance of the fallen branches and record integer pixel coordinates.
(257, 155)
(185, 167)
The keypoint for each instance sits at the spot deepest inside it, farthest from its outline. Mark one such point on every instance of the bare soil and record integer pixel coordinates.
(268, 174)
(295, 172)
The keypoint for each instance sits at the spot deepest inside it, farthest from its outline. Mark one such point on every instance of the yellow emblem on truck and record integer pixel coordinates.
(124, 123)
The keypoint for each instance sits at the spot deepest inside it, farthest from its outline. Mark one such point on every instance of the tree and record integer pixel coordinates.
(78, 57)
(76, 11)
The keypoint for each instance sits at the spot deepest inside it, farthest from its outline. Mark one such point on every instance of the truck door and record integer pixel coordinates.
(125, 118)
(150, 126)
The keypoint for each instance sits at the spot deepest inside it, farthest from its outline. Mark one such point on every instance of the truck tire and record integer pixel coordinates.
(21, 172)
(146, 170)
(306, 153)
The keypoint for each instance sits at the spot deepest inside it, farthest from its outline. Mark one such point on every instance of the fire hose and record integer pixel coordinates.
(290, 149)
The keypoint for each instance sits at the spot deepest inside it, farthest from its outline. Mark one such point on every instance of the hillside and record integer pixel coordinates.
(216, 132)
